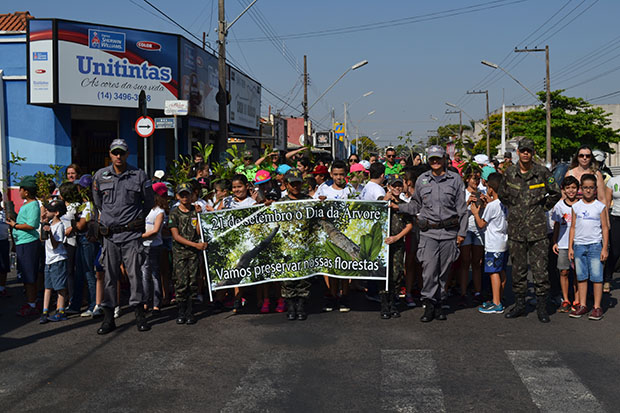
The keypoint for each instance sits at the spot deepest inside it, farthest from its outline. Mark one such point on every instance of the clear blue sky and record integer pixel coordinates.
(414, 68)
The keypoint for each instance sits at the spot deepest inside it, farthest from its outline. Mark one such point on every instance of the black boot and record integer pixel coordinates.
(181, 317)
(394, 312)
(141, 323)
(385, 305)
(108, 321)
(190, 318)
(291, 305)
(429, 311)
(541, 309)
(518, 310)
(301, 311)
(440, 313)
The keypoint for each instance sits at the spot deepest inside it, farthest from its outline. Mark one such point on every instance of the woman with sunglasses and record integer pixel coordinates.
(353, 159)
(583, 163)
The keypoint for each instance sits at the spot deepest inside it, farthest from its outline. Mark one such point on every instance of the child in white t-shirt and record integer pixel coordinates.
(55, 261)
(587, 245)
(562, 217)
(495, 226)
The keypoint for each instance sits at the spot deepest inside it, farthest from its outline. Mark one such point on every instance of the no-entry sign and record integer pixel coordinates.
(145, 126)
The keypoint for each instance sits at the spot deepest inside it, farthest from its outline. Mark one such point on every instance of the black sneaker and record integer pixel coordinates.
(343, 304)
(43, 319)
(329, 304)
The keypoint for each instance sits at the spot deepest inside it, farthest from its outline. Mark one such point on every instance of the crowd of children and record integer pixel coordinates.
(57, 236)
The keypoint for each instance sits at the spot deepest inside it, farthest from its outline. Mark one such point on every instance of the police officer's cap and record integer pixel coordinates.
(294, 175)
(435, 151)
(119, 144)
(526, 143)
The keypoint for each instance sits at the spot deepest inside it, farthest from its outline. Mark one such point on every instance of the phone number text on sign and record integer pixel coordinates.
(109, 96)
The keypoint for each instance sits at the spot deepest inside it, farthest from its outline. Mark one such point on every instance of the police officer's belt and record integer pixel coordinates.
(449, 223)
(137, 225)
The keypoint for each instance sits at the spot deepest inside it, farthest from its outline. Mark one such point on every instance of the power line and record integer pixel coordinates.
(395, 22)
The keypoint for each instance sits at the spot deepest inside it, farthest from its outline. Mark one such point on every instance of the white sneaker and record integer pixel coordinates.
(97, 312)
(117, 311)
(87, 313)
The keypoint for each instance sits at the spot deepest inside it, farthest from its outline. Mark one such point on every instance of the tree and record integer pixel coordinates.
(574, 122)
(445, 132)
(365, 146)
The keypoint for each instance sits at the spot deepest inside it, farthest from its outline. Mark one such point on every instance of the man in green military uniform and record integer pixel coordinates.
(248, 168)
(295, 292)
(528, 191)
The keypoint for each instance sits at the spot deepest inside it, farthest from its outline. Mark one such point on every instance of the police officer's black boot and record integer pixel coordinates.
(440, 313)
(141, 323)
(108, 321)
(541, 309)
(394, 312)
(518, 310)
(385, 305)
(181, 317)
(291, 305)
(301, 311)
(190, 318)
(429, 311)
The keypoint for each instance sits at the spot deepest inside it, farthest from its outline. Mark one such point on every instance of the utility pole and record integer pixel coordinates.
(460, 112)
(486, 93)
(548, 102)
(223, 96)
(305, 104)
(333, 137)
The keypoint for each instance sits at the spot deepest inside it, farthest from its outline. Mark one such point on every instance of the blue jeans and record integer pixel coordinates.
(85, 269)
(151, 278)
(588, 264)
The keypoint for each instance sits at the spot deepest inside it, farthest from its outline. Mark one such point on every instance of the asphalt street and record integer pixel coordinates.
(333, 362)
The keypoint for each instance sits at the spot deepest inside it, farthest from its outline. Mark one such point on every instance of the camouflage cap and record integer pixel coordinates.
(184, 187)
(294, 175)
(247, 154)
(395, 178)
(526, 143)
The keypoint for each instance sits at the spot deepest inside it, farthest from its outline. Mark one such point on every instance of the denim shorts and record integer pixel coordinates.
(495, 262)
(473, 238)
(588, 264)
(56, 275)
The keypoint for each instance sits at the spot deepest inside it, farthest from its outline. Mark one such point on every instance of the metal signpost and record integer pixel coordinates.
(176, 107)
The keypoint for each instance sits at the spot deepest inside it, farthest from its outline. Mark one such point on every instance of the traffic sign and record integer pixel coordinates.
(176, 107)
(165, 123)
(145, 126)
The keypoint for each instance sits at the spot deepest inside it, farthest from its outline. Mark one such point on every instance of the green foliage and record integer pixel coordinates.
(44, 181)
(14, 162)
(372, 243)
(445, 132)
(574, 122)
(204, 150)
(365, 146)
(178, 172)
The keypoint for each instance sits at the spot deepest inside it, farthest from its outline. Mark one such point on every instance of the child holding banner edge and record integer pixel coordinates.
(185, 252)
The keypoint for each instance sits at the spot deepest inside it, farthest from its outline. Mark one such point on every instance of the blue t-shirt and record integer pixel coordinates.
(29, 214)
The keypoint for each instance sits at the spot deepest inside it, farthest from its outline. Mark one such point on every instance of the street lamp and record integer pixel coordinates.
(495, 66)
(354, 67)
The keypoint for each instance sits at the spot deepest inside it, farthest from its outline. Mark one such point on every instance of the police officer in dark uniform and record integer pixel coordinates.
(528, 191)
(123, 195)
(439, 203)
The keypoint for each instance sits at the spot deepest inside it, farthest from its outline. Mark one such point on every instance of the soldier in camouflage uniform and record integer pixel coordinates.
(528, 191)
(186, 246)
(295, 292)
(401, 224)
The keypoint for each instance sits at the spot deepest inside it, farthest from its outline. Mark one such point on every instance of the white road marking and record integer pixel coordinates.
(410, 382)
(553, 386)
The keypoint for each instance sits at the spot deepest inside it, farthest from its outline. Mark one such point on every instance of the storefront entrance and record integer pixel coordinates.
(90, 141)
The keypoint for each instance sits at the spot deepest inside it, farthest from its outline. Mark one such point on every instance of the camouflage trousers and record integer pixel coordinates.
(538, 256)
(396, 261)
(296, 289)
(185, 272)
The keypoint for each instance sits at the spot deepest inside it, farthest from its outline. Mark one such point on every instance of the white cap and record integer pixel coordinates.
(599, 155)
(481, 159)
(159, 174)
(365, 164)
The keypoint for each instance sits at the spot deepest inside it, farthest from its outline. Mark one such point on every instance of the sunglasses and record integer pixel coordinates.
(354, 160)
(585, 155)
(390, 156)
(526, 150)
(118, 152)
